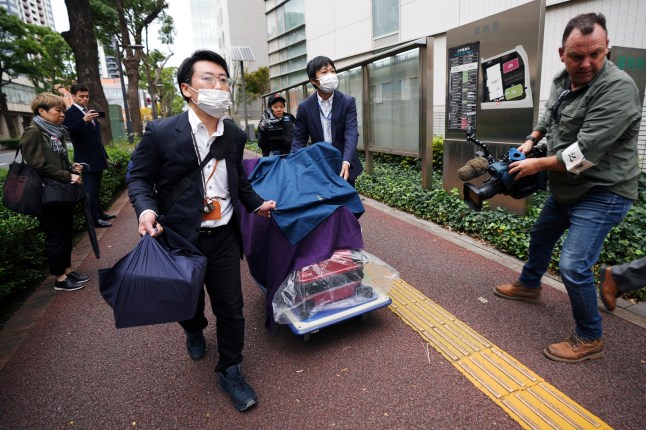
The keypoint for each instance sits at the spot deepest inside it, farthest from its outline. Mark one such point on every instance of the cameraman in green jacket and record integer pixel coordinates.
(591, 125)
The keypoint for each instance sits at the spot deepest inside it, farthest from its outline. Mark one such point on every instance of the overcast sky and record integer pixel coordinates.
(176, 8)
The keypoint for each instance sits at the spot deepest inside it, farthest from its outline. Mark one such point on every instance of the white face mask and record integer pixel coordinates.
(213, 101)
(328, 83)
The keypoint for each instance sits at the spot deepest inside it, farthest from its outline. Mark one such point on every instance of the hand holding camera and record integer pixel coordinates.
(502, 179)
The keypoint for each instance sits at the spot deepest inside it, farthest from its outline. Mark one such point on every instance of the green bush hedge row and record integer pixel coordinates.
(22, 256)
(397, 182)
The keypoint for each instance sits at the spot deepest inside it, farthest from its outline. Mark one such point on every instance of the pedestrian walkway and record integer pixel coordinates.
(68, 366)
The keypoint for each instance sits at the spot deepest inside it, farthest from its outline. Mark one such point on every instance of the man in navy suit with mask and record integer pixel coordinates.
(329, 116)
(205, 210)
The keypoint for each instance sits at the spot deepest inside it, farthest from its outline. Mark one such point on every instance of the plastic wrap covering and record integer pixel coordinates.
(348, 278)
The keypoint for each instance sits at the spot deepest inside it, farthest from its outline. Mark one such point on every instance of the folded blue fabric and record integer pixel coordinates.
(307, 188)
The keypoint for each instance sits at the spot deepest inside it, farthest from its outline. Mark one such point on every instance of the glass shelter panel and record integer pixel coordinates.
(394, 99)
(350, 82)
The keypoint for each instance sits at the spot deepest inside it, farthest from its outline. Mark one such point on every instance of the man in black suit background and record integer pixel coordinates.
(85, 134)
(204, 210)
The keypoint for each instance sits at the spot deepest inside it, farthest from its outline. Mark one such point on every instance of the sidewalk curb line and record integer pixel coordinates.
(486, 251)
(17, 328)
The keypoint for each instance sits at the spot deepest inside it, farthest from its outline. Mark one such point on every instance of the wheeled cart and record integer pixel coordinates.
(315, 222)
(349, 284)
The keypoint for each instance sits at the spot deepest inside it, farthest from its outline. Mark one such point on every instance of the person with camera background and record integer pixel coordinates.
(43, 149)
(85, 134)
(276, 128)
(591, 124)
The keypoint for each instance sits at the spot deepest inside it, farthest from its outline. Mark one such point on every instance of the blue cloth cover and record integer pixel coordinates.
(307, 188)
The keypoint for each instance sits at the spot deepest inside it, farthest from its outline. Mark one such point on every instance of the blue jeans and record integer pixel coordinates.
(589, 220)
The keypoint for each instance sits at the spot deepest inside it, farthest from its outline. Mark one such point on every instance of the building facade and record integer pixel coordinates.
(20, 92)
(37, 12)
(356, 35)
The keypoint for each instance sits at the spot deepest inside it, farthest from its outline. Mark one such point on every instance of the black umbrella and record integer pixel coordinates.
(89, 221)
(90, 226)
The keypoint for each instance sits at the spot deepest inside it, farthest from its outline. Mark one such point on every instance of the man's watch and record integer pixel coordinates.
(532, 138)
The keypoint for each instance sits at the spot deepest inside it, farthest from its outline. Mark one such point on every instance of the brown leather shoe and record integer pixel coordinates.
(575, 349)
(517, 291)
(607, 288)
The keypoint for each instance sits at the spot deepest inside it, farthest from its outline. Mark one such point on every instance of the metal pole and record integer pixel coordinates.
(244, 99)
(125, 97)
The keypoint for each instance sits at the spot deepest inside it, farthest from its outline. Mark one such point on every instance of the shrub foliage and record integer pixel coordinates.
(22, 244)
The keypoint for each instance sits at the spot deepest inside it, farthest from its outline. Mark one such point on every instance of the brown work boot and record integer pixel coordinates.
(607, 288)
(517, 291)
(575, 349)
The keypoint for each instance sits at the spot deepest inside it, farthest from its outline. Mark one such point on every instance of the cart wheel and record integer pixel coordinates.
(306, 337)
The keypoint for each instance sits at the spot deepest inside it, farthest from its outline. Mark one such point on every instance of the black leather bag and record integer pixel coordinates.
(59, 193)
(22, 190)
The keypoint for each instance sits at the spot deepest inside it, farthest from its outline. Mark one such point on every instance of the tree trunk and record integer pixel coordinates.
(131, 64)
(4, 111)
(81, 39)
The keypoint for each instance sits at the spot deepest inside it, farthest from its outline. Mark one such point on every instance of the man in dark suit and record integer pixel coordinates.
(85, 133)
(204, 210)
(329, 116)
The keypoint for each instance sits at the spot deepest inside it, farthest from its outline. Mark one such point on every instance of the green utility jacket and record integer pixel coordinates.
(604, 117)
(38, 154)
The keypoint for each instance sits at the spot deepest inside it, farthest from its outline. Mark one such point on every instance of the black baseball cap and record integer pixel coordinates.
(275, 98)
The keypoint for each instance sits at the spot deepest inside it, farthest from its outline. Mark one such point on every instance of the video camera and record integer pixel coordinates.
(271, 124)
(501, 181)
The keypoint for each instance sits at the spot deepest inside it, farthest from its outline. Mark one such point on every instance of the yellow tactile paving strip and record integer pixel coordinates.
(524, 395)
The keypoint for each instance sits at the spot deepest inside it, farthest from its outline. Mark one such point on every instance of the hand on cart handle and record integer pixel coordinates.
(265, 208)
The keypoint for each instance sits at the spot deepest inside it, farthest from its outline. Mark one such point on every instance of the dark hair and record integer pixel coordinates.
(185, 70)
(585, 24)
(316, 63)
(75, 88)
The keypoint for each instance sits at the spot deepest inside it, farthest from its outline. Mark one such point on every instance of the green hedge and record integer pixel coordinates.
(22, 256)
(10, 143)
(397, 182)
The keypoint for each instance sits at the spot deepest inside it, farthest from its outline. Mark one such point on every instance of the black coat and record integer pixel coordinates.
(86, 139)
(279, 138)
(164, 156)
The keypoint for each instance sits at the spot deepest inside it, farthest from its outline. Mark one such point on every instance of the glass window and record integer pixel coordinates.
(294, 14)
(385, 17)
(272, 25)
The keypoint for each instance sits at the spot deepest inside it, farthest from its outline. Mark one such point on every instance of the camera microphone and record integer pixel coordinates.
(473, 168)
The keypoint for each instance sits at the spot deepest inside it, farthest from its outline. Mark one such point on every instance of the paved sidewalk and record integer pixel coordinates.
(64, 365)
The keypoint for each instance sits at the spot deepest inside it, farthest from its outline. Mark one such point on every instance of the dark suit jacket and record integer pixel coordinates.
(164, 156)
(345, 133)
(86, 140)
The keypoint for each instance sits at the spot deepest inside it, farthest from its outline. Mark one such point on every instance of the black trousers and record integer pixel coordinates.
(92, 182)
(58, 224)
(224, 286)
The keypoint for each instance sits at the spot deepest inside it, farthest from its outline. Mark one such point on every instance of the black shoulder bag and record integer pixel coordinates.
(22, 190)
